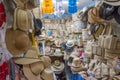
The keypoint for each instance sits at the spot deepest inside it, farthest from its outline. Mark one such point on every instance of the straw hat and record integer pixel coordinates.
(58, 52)
(46, 61)
(47, 50)
(57, 43)
(14, 43)
(32, 65)
(30, 57)
(33, 71)
(70, 43)
(57, 67)
(112, 2)
(75, 63)
(47, 74)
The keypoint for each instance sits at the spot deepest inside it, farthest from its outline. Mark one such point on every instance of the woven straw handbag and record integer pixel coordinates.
(23, 20)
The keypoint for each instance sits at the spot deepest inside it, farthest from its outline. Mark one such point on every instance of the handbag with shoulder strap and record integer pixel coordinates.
(23, 20)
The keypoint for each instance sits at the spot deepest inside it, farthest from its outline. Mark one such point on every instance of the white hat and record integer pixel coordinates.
(112, 2)
(57, 67)
(70, 43)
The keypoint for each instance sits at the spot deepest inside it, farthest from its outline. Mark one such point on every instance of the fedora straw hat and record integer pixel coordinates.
(58, 52)
(70, 43)
(112, 2)
(14, 43)
(75, 64)
(47, 74)
(57, 43)
(30, 57)
(46, 61)
(32, 65)
(33, 71)
(57, 67)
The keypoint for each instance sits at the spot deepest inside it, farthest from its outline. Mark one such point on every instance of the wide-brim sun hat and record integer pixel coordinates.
(30, 57)
(76, 62)
(47, 74)
(32, 64)
(46, 61)
(112, 2)
(14, 43)
(33, 71)
(57, 67)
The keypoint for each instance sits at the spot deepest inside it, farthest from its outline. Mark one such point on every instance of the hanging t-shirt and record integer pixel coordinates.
(47, 7)
(72, 6)
(2, 14)
(59, 9)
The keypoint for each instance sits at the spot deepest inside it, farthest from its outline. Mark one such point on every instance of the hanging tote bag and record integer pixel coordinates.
(23, 20)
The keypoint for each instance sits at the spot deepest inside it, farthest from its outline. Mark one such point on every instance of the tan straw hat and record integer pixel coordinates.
(30, 57)
(47, 74)
(17, 41)
(76, 65)
(32, 65)
(33, 71)
(112, 2)
(57, 67)
(46, 61)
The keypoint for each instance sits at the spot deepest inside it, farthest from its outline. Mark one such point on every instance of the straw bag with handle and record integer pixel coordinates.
(93, 14)
(108, 41)
(27, 4)
(23, 20)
